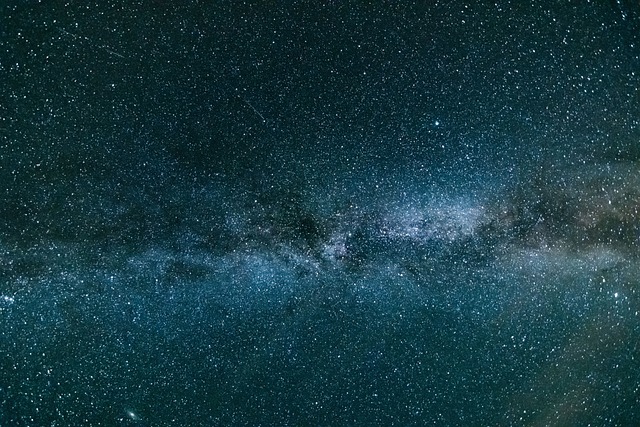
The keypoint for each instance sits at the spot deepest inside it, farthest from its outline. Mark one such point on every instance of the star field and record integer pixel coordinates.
(234, 213)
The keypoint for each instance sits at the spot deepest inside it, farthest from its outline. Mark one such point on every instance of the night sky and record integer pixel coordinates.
(319, 213)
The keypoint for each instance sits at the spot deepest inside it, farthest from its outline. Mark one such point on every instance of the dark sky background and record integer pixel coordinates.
(319, 213)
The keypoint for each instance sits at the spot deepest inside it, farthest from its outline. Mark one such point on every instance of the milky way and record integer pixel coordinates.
(235, 214)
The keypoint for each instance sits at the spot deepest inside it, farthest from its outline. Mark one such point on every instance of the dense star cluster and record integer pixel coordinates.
(228, 213)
